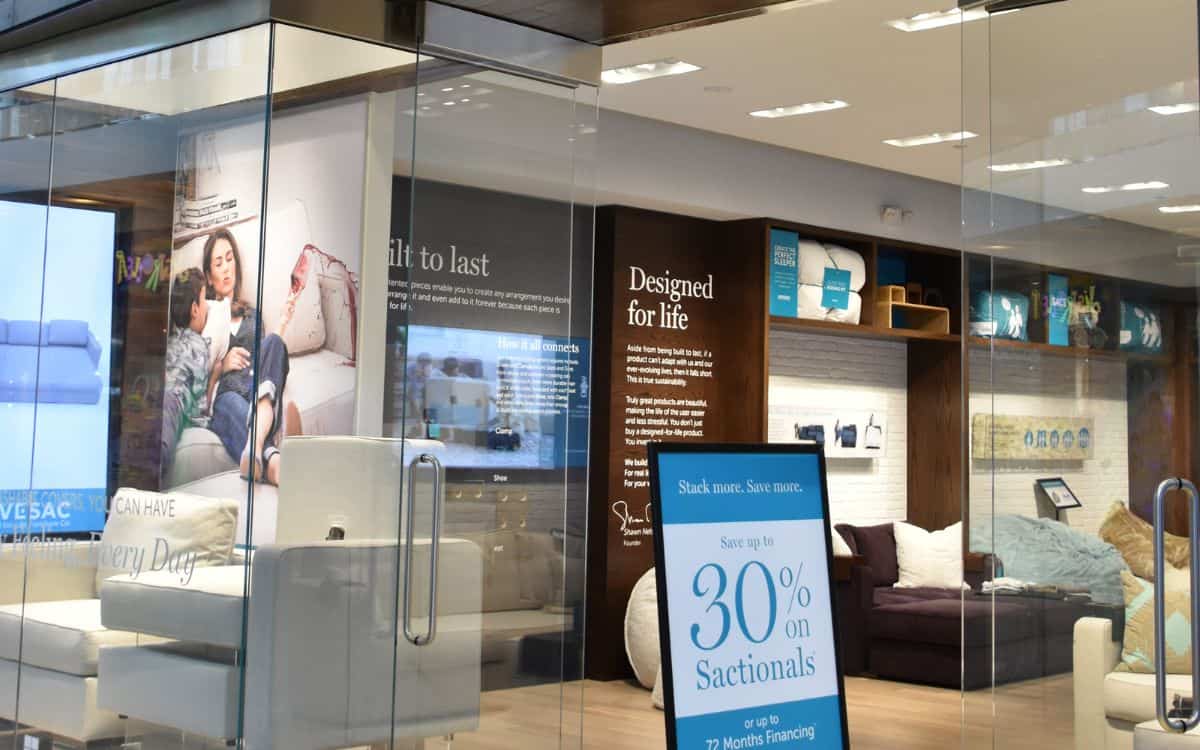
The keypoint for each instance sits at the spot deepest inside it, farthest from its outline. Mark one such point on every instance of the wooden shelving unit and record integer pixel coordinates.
(863, 332)
(1067, 351)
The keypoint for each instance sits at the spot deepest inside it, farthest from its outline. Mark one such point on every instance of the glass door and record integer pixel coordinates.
(429, 223)
(1080, 230)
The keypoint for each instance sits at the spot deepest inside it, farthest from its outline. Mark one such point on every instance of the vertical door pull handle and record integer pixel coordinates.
(1175, 725)
(439, 472)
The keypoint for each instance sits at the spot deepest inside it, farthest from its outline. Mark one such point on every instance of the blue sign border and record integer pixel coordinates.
(655, 451)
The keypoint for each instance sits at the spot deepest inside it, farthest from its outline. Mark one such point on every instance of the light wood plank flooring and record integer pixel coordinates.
(882, 715)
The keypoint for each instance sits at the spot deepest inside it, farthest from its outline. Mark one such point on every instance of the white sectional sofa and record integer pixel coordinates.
(317, 635)
(1109, 704)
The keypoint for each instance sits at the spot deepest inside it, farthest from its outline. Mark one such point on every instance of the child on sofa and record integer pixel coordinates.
(188, 380)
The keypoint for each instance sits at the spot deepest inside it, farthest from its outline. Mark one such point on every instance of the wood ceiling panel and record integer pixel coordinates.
(607, 20)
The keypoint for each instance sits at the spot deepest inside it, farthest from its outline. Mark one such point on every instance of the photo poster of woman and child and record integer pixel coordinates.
(228, 403)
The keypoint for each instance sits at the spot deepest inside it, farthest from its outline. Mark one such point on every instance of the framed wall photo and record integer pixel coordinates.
(1055, 490)
(746, 617)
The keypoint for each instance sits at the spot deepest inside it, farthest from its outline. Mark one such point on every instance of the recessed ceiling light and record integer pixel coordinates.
(1179, 209)
(930, 139)
(647, 70)
(1176, 109)
(939, 18)
(448, 88)
(464, 101)
(1127, 187)
(800, 109)
(448, 104)
(1024, 166)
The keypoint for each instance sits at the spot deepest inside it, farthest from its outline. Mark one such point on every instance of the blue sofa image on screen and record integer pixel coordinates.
(66, 372)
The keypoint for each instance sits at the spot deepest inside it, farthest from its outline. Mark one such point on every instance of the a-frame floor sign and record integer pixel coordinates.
(745, 582)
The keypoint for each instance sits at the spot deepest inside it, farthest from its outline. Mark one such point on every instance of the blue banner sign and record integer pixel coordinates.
(746, 616)
(785, 272)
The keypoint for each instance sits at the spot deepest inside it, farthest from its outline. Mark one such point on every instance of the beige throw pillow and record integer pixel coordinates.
(171, 531)
(1137, 651)
(1134, 539)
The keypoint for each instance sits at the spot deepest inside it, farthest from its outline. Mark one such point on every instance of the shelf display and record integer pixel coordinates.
(1141, 329)
(999, 314)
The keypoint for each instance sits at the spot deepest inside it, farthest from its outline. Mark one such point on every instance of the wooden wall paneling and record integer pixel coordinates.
(935, 429)
(731, 326)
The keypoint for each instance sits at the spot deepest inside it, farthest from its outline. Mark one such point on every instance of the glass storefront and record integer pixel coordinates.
(1082, 277)
(294, 372)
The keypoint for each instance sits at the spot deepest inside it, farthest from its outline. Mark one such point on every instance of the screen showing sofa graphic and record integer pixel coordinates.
(52, 363)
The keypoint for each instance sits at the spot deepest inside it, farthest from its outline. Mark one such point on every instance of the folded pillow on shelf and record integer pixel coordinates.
(929, 559)
(809, 307)
(1134, 539)
(1137, 648)
(815, 258)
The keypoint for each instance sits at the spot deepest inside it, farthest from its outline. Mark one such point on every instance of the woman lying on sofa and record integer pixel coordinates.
(234, 405)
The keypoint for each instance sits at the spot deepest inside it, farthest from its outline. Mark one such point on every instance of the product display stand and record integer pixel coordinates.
(892, 311)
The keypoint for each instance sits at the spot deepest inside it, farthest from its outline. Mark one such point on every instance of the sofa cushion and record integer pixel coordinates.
(1138, 646)
(877, 544)
(24, 332)
(67, 333)
(929, 558)
(1130, 697)
(884, 595)
(3, 331)
(207, 609)
(64, 636)
(1134, 539)
(173, 531)
(846, 532)
(67, 375)
(951, 621)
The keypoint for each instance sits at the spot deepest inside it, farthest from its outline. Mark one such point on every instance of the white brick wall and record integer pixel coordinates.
(1030, 384)
(831, 372)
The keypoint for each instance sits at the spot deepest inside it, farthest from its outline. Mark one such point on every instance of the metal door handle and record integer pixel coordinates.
(434, 547)
(1178, 726)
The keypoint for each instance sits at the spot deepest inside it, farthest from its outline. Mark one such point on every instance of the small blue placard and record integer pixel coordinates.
(785, 272)
(836, 294)
(1057, 311)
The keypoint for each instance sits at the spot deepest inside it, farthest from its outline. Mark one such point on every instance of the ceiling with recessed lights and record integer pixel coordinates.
(1087, 105)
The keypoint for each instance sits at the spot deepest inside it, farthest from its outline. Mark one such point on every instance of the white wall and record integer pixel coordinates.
(668, 167)
(837, 372)
(1031, 384)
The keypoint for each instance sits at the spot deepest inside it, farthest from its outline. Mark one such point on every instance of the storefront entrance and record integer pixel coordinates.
(277, 247)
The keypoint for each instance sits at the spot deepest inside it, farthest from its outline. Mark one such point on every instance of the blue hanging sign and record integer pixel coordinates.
(785, 272)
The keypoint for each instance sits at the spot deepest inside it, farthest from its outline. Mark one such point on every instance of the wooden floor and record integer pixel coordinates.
(882, 716)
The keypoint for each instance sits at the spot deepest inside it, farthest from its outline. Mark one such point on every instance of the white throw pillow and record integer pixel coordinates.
(641, 630)
(656, 696)
(339, 303)
(174, 531)
(840, 548)
(929, 559)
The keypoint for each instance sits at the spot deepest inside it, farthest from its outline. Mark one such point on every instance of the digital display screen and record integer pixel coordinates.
(497, 399)
(55, 350)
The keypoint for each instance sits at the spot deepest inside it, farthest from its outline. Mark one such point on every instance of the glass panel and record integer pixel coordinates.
(1077, 199)
(497, 260)
(157, 173)
(391, 379)
(26, 121)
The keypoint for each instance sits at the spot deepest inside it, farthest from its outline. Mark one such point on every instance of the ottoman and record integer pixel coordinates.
(1150, 736)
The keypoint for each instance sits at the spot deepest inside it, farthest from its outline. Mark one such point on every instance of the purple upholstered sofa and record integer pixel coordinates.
(55, 362)
(948, 637)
